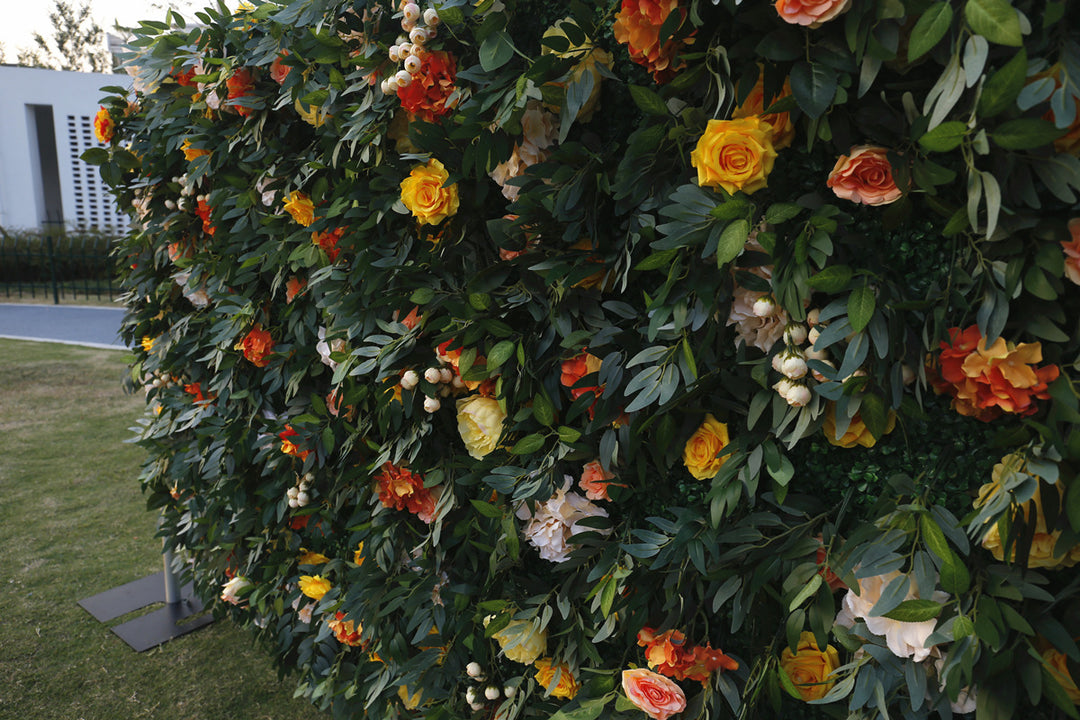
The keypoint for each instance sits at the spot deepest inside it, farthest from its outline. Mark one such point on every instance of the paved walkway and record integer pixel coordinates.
(71, 324)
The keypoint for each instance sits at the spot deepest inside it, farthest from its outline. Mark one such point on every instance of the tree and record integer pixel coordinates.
(76, 42)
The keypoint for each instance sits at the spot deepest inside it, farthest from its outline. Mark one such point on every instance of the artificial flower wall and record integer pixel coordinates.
(502, 358)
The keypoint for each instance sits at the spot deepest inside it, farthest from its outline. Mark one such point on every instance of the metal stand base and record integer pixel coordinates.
(154, 628)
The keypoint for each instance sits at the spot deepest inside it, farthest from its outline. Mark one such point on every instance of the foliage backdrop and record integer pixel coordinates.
(518, 358)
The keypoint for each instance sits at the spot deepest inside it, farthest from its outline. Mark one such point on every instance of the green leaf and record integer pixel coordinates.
(934, 537)
(657, 260)
(780, 212)
(808, 589)
(955, 577)
(814, 87)
(732, 240)
(543, 410)
(962, 627)
(500, 353)
(914, 611)
(1001, 89)
(422, 296)
(860, 307)
(831, 279)
(1025, 134)
(568, 435)
(496, 51)
(528, 444)
(995, 20)
(945, 137)
(486, 509)
(648, 101)
(928, 31)
(874, 416)
(95, 156)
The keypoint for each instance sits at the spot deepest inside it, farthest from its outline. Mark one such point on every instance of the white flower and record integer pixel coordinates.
(556, 520)
(905, 639)
(326, 348)
(965, 699)
(230, 591)
(539, 128)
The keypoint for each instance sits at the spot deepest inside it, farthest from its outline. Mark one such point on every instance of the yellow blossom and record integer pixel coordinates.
(314, 586)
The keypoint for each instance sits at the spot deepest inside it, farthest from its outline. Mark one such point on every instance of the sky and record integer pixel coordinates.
(24, 17)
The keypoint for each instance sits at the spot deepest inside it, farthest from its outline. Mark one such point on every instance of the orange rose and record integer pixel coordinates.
(346, 632)
(1072, 252)
(402, 489)
(809, 668)
(293, 287)
(279, 70)
(257, 346)
(288, 446)
(638, 24)
(1057, 665)
(576, 368)
(657, 696)
(735, 155)
(595, 480)
(811, 13)
(864, 177)
(701, 450)
(104, 126)
(203, 211)
(328, 242)
(239, 84)
(754, 106)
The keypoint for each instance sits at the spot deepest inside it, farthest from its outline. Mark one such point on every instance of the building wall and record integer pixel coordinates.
(39, 187)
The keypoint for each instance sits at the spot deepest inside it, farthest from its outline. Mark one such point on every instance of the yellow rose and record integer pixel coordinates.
(411, 702)
(735, 154)
(1056, 664)
(856, 433)
(525, 644)
(588, 58)
(1042, 553)
(567, 686)
(480, 421)
(314, 586)
(809, 668)
(300, 207)
(700, 453)
(308, 557)
(424, 195)
(313, 115)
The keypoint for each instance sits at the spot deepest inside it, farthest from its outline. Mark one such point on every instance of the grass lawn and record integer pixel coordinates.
(73, 523)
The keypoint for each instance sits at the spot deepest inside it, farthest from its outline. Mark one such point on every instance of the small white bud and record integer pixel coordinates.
(795, 334)
(457, 382)
(407, 24)
(446, 374)
(476, 706)
(491, 692)
(907, 374)
(813, 335)
(778, 362)
(812, 354)
(794, 367)
(432, 33)
(293, 503)
(812, 317)
(473, 669)
(798, 396)
(819, 376)
(432, 375)
(403, 79)
(431, 404)
(409, 379)
(292, 492)
(431, 17)
(418, 36)
(302, 498)
(394, 53)
(388, 86)
(764, 307)
(509, 691)
(470, 695)
(783, 387)
(170, 205)
(411, 11)
(412, 64)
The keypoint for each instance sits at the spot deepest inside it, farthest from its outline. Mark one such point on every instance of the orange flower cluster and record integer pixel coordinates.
(346, 631)
(577, 367)
(402, 489)
(185, 78)
(288, 446)
(668, 654)
(239, 84)
(257, 346)
(203, 211)
(195, 390)
(293, 287)
(638, 27)
(426, 96)
(985, 382)
(328, 242)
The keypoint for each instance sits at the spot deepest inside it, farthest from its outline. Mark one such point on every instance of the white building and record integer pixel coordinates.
(46, 122)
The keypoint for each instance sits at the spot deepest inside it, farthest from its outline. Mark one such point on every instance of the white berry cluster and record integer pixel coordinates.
(409, 50)
(299, 494)
(188, 197)
(477, 694)
(443, 378)
(157, 380)
(791, 362)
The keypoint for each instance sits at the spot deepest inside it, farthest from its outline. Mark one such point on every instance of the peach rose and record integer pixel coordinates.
(595, 480)
(257, 346)
(864, 176)
(811, 13)
(424, 194)
(701, 450)
(809, 667)
(735, 154)
(754, 106)
(1072, 252)
(656, 695)
(480, 421)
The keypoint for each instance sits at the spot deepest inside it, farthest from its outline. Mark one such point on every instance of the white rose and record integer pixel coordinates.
(904, 639)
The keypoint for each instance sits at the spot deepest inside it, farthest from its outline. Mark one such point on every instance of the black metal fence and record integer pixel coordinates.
(56, 266)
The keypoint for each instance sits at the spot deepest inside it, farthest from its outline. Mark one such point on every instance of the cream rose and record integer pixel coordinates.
(520, 642)
(864, 176)
(905, 639)
(656, 695)
(480, 421)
